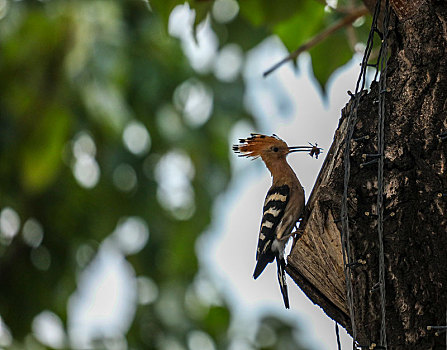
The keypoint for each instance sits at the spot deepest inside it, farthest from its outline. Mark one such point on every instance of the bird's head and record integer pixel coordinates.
(269, 148)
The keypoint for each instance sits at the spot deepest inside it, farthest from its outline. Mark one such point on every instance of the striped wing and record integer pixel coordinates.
(274, 208)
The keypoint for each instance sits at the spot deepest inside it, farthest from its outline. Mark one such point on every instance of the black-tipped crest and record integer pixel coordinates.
(254, 145)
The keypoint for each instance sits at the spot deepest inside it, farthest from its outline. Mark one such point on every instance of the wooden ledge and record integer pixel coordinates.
(316, 262)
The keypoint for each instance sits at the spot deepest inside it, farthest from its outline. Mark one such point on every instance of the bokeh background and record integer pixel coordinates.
(125, 220)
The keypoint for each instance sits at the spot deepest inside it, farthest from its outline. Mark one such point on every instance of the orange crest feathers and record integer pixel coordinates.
(254, 145)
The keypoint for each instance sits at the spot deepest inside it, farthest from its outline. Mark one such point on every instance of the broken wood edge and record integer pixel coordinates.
(333, 156)
(329, 308)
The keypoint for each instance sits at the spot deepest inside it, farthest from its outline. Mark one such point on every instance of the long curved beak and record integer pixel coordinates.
(300, 149)
(313, 150)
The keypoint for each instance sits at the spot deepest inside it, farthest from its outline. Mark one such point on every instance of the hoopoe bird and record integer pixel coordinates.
(283, 204)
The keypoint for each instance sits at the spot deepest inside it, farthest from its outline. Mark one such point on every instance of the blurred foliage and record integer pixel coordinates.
(76, 77)
(294, 22)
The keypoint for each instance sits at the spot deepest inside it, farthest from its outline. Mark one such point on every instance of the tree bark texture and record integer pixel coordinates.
(415, 197)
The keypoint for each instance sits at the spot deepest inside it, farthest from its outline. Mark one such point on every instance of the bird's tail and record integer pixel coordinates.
(263, 261)
(281, 263)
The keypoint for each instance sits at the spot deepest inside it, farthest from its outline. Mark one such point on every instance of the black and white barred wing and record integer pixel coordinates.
(274, 208)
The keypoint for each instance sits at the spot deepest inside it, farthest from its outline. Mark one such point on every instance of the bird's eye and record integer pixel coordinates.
(275, 149)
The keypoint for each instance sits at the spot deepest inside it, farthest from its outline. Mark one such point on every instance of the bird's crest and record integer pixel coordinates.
(253, 146)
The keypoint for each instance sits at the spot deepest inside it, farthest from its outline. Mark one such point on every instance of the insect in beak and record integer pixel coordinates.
(313, 150)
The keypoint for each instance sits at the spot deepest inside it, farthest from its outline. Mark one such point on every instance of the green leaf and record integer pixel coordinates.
(241, 32)
(42, 152)
(329, 55)
(270, 13)
(307, 22)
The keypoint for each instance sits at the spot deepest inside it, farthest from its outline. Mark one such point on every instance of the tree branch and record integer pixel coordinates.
(320, 37)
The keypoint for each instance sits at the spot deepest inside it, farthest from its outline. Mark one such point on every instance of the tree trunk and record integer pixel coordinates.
(415, 196)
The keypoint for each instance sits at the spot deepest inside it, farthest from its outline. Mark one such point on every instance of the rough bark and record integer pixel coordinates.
(415, 237)
(404, 9)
